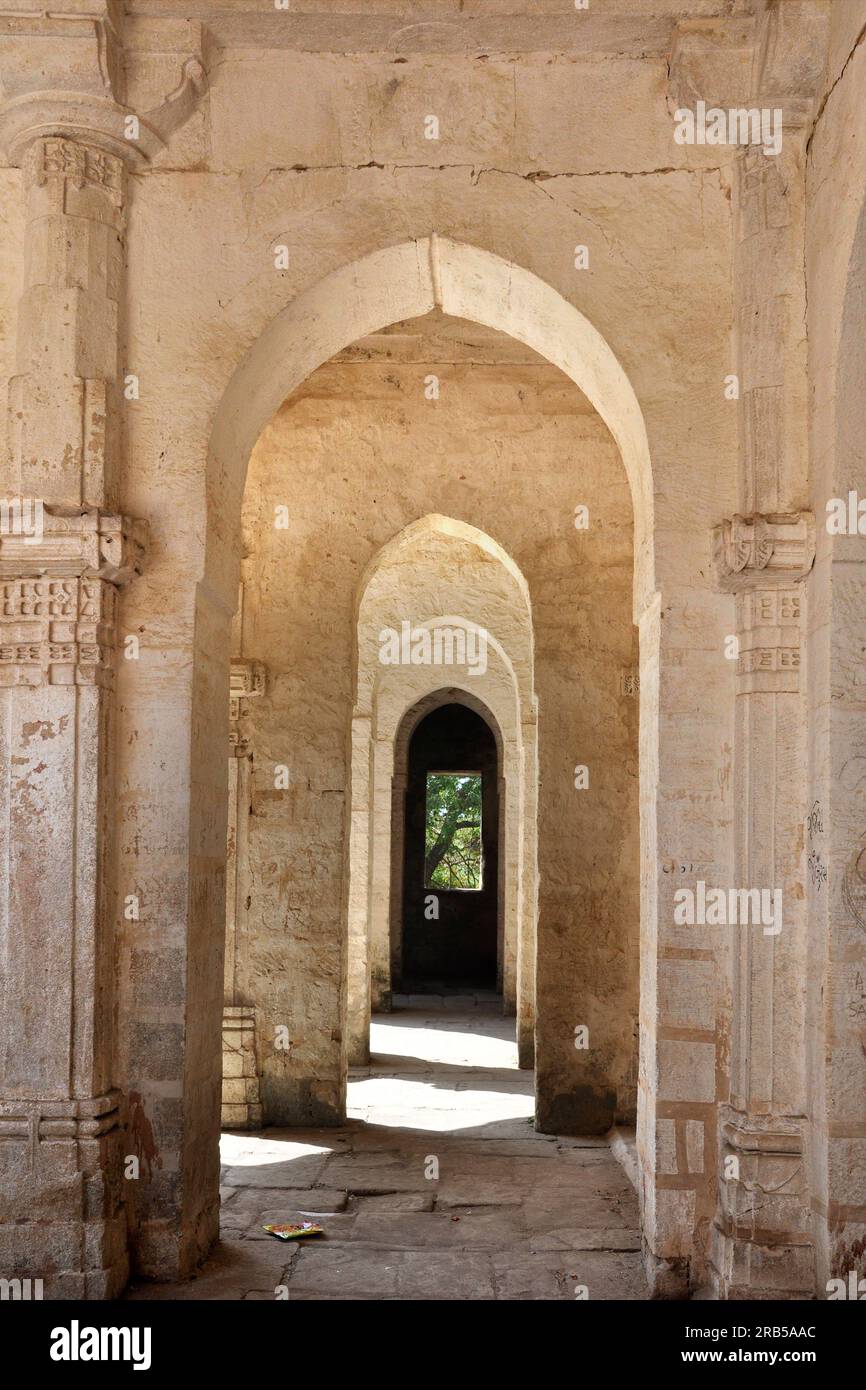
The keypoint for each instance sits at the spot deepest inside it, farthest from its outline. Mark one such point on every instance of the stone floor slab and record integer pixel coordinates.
(506, 1212)
(466, 1230)
(294, 1173)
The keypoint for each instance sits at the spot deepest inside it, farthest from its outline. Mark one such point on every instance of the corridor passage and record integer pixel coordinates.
(438, 1186)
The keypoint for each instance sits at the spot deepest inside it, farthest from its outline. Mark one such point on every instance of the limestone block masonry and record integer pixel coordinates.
(241, 1104)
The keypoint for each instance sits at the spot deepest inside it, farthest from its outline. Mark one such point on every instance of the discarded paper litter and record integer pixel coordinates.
(289, 1231)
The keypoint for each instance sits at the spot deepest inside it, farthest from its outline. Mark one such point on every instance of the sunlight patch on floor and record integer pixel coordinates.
(491, 1046)
(399, 1103)
(239, 1150)
(433, 1072)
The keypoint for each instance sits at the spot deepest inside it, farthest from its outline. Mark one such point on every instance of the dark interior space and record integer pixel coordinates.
(457, 949)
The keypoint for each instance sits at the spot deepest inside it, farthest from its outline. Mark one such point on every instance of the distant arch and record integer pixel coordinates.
(389, 701)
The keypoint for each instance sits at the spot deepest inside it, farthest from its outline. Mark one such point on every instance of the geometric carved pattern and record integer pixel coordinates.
(246, 679)
(761, 559)
(57, 632)
(82, 165)
(58, 598)
(768, 625)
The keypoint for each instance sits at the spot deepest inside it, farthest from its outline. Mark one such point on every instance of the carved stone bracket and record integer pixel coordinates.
(63, 74)
(771, 59)
(246, 679)
(92, 544)
(179, 105)
(763, 552)
(93, 120)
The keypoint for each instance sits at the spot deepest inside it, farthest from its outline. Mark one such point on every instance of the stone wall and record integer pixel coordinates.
(243, 180)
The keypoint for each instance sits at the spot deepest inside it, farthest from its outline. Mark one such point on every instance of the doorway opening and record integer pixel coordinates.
(450, 934)
(443, 1042)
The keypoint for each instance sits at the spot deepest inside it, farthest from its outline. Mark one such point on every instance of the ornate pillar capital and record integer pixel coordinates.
(763, 552)
(762, 559)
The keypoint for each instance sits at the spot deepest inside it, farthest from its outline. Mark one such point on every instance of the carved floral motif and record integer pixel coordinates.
(763, 551)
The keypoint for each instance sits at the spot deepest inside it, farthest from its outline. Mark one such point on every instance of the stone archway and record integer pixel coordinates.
(400, 282)
(124, 761)
(403, 282)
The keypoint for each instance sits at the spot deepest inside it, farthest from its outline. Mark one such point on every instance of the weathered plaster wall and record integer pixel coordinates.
(511, 447)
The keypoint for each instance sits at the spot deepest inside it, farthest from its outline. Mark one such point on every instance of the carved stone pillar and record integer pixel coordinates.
(771, 61)
(382, 1002)
(761, 1246)
(761, 1243)
(63, 1145)
(358, 982)
(241, 1097)
(62, 1141)
(380, 883)
(63, 404)
(61, 1132)
(527, 944)
(65, 123)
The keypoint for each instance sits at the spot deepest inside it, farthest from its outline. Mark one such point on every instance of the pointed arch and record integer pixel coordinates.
(400, 282)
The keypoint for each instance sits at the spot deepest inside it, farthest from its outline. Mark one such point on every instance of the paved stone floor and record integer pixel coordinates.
(511, 1215)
